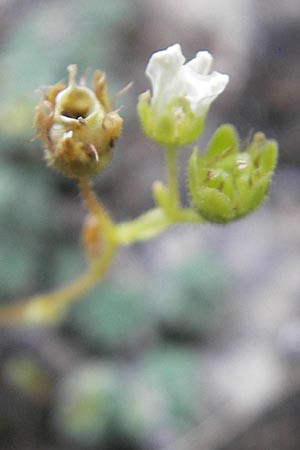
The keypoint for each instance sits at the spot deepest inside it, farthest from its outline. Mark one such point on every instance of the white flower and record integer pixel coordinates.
(181, 95)
(172, 79)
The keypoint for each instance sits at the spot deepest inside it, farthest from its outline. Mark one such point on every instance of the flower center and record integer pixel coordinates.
(76, 103)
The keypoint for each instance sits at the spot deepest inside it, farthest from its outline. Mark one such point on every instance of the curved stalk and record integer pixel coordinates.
(51, 307)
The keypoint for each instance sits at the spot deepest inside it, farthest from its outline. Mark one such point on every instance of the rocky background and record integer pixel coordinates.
(193, 340)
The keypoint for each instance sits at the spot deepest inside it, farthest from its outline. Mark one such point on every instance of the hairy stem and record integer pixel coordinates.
(172, 176)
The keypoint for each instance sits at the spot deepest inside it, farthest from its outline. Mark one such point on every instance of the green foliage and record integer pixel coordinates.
(18, 264)
(27, 375)
(25, 210)
(162, 398)
(31, 200)
(226, 184)
(68, 261)
(189, 296)
(86, 403)
(114, 317)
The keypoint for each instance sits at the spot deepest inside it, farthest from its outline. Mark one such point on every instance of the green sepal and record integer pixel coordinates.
(213, 205)
(144, 112)
(224, 142)
(264, 154)
(176, 126)
(193, 172)
(254, 197)
(226, 184)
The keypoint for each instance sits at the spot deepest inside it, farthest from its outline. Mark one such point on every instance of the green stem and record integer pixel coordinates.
(172, 176)
(50, 307)
(143, 228)
(187, 215)
(151, 224)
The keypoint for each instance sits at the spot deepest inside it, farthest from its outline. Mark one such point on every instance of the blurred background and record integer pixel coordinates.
(193, 340)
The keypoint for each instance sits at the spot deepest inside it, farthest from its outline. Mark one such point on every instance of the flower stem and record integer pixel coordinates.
(94, 206)
(143, 228)
(50, 307)
(152, 223)
(172, 176)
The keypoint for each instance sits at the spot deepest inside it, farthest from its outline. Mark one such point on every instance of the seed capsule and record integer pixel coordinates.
(77, 126)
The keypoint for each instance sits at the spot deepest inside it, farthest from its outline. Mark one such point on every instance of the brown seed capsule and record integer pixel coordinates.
(77, 126)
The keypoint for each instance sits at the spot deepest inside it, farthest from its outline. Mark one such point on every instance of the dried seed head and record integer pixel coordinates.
(78, 126)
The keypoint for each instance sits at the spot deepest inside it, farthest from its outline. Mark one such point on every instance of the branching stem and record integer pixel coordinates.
(51, 307)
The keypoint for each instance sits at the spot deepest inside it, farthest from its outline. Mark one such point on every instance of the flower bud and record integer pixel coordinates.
(226, 184)
(181, 95)
(77, 126)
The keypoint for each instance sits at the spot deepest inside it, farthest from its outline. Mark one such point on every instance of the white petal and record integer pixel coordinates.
(201, 63)
(171, 79)
(163, 67)
(213, 89)
(201, 90)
